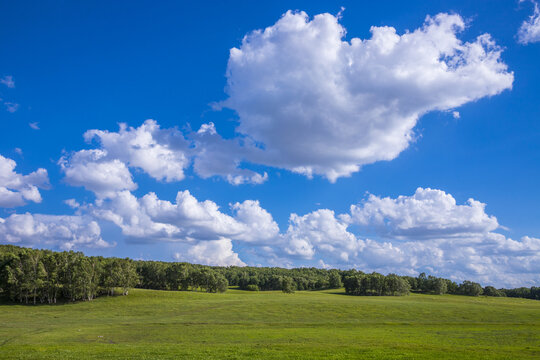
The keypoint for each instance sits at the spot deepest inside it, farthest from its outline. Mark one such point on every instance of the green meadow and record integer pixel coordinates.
(238, 324)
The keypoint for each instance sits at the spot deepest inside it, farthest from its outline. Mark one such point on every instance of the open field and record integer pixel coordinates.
(247, 325)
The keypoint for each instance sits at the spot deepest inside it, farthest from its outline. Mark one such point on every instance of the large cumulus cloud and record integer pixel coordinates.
(426, 214)
(311, 102)
(318, 104)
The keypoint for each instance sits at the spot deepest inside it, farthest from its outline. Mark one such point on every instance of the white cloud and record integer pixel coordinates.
(529, 31)
(427, 232)
(96, 172)
(63, 232)
(258, 224)
(429, 213)
(72, 203)
(34, 125)
(321, 232)
(159, 153)
(8, 81)
(456, 115)
(165, 154)
(11, 107)
(15, 188)
(129, 214)
(217, 156)
(321, 105)
(186, 220)
(215, 252)
(491, 259)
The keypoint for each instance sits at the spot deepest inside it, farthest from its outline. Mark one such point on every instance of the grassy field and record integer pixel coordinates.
(272, 325)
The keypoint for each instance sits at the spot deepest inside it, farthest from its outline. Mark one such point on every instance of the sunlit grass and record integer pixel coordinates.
(249, 325)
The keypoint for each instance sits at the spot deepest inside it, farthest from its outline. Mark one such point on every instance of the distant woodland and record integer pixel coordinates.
(45, 276)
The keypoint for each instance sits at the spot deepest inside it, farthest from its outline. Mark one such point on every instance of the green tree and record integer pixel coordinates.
(334, 280)
(470, 288)
(128, 277)
(440, 286)
(287, 285)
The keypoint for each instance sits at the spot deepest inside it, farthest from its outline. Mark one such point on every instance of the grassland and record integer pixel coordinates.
(272, 325)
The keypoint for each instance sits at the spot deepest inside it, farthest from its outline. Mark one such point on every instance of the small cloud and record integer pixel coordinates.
(529, 32)
(72, 203)
(323, 265)
(8, 81)
(207, 129)
(34, 125)
(340, 13)
(11, 107)
(456, 114)
(19, 151)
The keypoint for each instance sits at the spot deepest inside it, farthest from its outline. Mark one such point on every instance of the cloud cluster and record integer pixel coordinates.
(57, 231)
(320, 232)
(529, 31)
(214, 155)
(95, 171)
(15, 188)
(321, 105)
(159, 153)
(200, 228)
(429, 213)
(105, 171)
(163, 154)
(426, 231)
(216, 252)
(186, 220)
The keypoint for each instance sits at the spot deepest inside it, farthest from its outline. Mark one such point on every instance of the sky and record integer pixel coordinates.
(388, 136)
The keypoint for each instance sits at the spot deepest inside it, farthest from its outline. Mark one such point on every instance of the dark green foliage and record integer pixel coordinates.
(491, 291)
(334, 280)
(376, 284)
(439, 286)
(523, 292)
(287, 285)
(28, 275)
(252, 287)
(470, 288)
(272, 278)
(432, 285)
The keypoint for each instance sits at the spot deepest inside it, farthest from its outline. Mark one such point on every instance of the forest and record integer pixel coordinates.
(45, 276)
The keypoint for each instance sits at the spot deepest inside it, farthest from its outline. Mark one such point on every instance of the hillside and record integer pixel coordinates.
(150, 324)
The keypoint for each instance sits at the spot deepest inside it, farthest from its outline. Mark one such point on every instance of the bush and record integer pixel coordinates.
(287, 285)
(470, 288)
(252, 287)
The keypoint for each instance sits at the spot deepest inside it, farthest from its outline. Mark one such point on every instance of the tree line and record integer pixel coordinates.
(44, 276)
(287, 280)
(28, 275)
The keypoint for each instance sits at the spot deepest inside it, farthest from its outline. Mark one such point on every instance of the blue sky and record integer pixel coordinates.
(406, 126)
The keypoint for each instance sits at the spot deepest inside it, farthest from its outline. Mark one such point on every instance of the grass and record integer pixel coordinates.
(271, 325)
